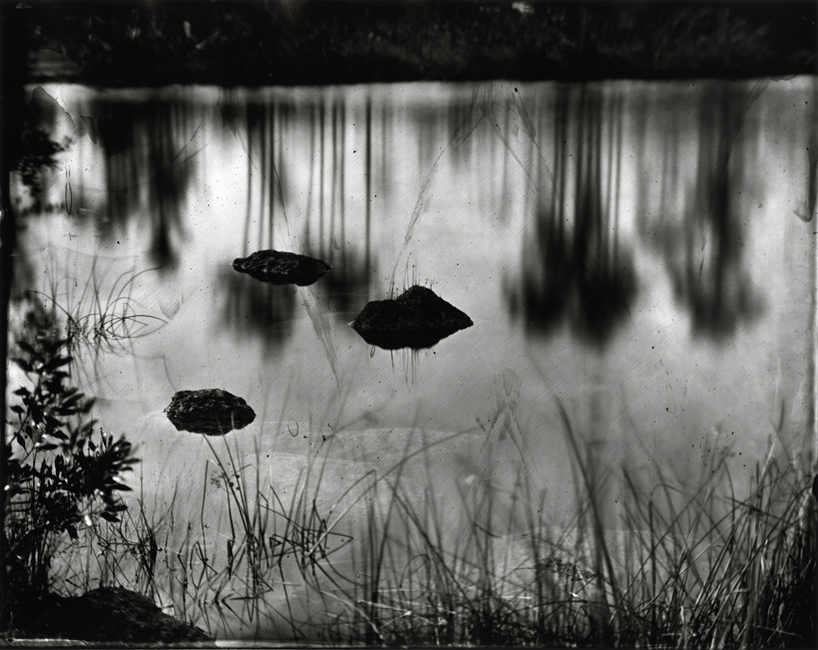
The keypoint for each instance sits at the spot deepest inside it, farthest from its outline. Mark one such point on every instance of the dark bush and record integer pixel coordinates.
(61, 473)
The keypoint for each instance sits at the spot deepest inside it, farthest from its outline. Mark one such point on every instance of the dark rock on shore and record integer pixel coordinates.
(211, 411)
(417, 319)
(108, 614)
(279, 267)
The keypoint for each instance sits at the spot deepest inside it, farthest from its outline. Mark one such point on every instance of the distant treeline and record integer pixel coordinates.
(298, 42)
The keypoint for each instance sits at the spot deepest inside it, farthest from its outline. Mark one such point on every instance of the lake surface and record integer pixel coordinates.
(642, 253)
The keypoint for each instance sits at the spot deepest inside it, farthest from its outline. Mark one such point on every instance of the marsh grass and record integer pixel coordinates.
(101, 320)
(383, 564)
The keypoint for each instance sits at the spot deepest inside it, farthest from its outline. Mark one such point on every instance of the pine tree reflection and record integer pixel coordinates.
(604, 275)
(148, 169)
(708, 271)
(544, 288)
(807, 211)
(252, 307)
(579, 275)
(347, 283)
(270, 126)
(122, 178)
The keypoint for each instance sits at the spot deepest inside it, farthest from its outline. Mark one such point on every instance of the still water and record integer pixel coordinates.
(641, 252)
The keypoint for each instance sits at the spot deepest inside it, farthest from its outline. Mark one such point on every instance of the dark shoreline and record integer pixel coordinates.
(321, 42)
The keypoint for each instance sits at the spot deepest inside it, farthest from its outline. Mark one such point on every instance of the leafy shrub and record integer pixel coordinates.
(59, 473)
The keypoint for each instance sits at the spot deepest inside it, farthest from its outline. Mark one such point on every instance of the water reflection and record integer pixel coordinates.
(260, 309)
(538, 201)
(272, 129)
(47, 131)
(261, 150)
(703, 237)
(806, 211)
(347, 282)
(352, 268)
(575, 270)
(149, 163)
(316, 157)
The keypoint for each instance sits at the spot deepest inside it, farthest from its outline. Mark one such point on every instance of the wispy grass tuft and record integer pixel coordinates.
(99, 321)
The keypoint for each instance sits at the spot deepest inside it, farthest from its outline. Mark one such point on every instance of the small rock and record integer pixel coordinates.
(108, 614)
(417, 319)
(279, 267)
(211, 411)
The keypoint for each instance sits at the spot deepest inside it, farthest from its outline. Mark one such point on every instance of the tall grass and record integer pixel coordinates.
(701, 566)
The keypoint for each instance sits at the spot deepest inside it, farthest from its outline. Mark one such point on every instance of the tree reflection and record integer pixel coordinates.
(578, 275)
(148, 169)
(704, 249)
(544, 288)
(47, 131)
(256, 308)
(604, 275)
(321, 127)
(351, 270)
(807, 210)
(261, 147)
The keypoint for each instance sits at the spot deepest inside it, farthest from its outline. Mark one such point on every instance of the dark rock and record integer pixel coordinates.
(108, 614)
(278, 267)
(211, 411)
(417, 319)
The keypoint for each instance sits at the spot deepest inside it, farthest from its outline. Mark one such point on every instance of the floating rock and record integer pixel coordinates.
(417, 319)
(277, 267)
(211, 411)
